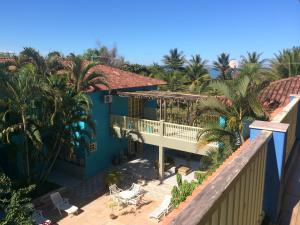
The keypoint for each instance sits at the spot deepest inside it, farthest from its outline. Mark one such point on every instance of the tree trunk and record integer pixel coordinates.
(48, 170)
(26, 149)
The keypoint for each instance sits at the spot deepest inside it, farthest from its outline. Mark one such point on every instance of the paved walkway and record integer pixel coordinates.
(292, 192)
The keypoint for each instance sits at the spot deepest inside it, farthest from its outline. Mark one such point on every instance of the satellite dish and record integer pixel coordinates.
(233, 64)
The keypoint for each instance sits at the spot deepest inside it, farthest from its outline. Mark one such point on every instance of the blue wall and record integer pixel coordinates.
(107, 145)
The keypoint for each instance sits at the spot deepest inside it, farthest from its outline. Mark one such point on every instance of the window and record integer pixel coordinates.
(93, 147)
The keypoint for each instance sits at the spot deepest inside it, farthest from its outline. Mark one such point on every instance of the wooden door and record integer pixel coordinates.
(136, 110)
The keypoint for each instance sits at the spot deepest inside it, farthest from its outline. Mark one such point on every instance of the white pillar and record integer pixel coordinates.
(161, 160)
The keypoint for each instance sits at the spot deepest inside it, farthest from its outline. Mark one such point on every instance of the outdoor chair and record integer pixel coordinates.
(162, 209)
(136, 189)
(62, 204)
(113, 189)
(39, 219)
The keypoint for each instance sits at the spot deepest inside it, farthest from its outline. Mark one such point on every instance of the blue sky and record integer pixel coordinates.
(145, 30)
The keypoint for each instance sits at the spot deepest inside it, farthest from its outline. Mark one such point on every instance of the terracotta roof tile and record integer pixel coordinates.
(6, 59)
(119, 79)
(278, 92)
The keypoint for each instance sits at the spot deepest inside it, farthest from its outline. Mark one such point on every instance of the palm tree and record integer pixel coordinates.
(80, 76)
(253, 58)
(54, 62)
(19, 95)
(61, 128)
(39, 113)
(197, 72)
(30, 55)
(286, 63)
(236, 105)
(222, 65)
(175, 60)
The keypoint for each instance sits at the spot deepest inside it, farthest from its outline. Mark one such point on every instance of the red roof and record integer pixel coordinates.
(6, 59)
(119, 79)
(278, 92)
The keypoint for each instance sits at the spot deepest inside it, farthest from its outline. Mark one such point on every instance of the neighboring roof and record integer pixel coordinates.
(6, 59)
(115, 78)
(278, 92)
(119, 79)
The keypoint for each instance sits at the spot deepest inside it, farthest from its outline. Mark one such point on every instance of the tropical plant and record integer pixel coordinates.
(175, 60)
(253, 58)
(112, 177)
(30, 55)
(19, 93)
(222, 66)
(237, 104)
(41, 113)
(197, 73)
(54, 62)
(80, 76)
(286, 63)
(104, 55)
(15, 203)
(182, 190)
(135, 68)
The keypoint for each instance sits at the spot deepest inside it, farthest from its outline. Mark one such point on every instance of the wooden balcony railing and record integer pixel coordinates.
(289, 115)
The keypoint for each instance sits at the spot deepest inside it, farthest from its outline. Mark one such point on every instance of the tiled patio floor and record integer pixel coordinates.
(93, 199)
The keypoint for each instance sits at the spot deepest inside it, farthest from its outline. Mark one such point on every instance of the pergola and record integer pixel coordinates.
(165, 97)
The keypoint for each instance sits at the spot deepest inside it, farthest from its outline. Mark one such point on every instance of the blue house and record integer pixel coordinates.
(105, 147)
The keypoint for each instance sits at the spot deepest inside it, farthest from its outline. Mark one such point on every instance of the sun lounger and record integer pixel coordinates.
(162, 209)
(39, 219)
(63, 204)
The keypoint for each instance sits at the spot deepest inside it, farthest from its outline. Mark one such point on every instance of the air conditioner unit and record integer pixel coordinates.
(107, 99)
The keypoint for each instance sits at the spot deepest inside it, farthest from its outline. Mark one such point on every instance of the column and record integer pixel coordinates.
(274, 164)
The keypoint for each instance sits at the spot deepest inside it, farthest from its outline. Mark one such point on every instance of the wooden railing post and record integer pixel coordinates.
(298, 116)
(274, 165)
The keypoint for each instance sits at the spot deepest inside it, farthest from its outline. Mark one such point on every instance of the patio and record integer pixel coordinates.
(94, 200)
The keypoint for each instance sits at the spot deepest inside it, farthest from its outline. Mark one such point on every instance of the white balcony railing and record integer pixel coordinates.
(170, 130)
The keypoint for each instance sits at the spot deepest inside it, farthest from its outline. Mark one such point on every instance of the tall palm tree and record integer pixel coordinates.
(237, 105)
(175, 60)
(253, 58)
(80, 76)
(222, 65)
(286, 63)
(197, 72)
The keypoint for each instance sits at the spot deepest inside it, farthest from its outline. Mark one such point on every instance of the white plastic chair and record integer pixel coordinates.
(136, 189)
(63, 204)
(113, 189)
(162, 209)
(38, 218)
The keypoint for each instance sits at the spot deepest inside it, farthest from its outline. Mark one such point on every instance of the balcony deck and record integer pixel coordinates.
(160, 133)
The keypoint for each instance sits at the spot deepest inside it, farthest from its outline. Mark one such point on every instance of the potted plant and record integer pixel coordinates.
(112, 177)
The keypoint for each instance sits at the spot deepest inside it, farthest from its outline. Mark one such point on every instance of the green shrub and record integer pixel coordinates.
(112, 177)
(182, 190)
